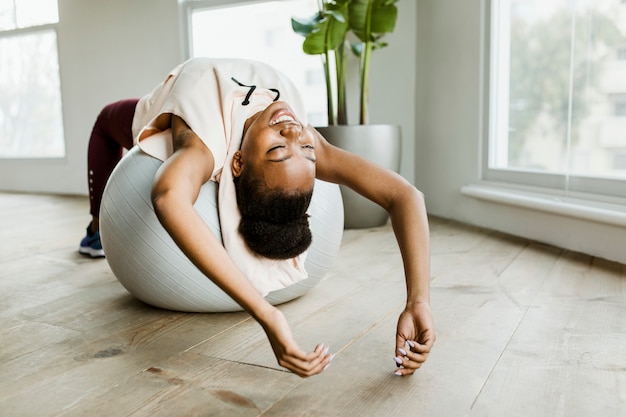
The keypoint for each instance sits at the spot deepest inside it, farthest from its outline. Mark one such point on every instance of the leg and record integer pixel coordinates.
(111, 134)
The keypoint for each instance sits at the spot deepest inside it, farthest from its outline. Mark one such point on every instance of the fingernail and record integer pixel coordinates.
(332, 357)
(326, 367)
(398, 360)
(326, 351)
(411, 343)
(402, 351)
(398, 373)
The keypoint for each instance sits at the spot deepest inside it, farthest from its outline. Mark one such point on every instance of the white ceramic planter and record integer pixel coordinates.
(380, 144)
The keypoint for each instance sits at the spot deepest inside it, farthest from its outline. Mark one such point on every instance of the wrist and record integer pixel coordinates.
(418, 302)
(265, 314)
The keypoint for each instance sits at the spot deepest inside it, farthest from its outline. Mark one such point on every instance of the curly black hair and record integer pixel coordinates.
(274, 223)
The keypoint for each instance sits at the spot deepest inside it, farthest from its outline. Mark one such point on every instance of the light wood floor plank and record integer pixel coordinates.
(569, 352)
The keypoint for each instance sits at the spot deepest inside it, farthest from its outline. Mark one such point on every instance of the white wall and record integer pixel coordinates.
(448, 101)
(393, 78)
(449, 135)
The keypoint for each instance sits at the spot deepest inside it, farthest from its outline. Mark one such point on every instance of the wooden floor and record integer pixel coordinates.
(523, 330)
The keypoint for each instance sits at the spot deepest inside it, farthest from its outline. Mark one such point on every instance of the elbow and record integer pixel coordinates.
(407, 198)
(171, 197)
(416, 196)
(161, 201)
(420, 196)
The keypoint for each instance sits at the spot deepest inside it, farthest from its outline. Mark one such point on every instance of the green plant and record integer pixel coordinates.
(326, 34)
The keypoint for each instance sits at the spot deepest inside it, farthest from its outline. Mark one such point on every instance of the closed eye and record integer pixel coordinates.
(275, 148)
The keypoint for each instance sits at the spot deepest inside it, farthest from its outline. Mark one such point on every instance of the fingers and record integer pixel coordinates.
(305, 365)
(409, 359)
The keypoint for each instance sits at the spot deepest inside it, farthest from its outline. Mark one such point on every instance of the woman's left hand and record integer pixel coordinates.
(414, 338)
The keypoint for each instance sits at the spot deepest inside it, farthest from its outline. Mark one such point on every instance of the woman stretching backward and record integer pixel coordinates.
(242, 124)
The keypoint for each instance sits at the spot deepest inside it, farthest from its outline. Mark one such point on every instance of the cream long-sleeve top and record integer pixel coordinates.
(215, 97)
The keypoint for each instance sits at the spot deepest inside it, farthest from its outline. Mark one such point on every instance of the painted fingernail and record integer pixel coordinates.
(398, 373)
(402, 351)
(411, 343)
(326, 367)
(398, 360)
(332, 357)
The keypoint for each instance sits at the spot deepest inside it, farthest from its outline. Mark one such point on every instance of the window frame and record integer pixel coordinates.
(600, 189)
(187, 9)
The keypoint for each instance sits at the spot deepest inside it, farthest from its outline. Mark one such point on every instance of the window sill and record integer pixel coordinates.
(612, 213)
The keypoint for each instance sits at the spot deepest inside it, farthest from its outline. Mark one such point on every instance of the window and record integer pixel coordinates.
(30, 104)
(556, 106)
(620, 107)
(619, 160)
(260, 31)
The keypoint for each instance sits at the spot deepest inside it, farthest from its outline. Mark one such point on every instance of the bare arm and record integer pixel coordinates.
(175, 189)
(407, 211)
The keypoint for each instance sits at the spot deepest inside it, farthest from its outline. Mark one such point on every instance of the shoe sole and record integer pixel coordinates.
(94, 253)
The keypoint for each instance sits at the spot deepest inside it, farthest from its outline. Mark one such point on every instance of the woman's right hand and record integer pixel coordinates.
(287, 352)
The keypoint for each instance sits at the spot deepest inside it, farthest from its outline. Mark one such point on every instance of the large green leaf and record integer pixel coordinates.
(370, 19)
(325, 36)
(327, 33)
(304, 26)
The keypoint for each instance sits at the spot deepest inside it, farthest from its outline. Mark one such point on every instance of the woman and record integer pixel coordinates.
(252, 137)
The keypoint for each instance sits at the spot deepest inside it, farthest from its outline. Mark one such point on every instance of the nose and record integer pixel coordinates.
(291, 130)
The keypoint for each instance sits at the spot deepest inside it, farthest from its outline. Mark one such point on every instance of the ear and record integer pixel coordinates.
(236, 165)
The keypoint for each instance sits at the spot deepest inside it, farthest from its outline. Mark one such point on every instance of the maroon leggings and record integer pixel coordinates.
(111, 134)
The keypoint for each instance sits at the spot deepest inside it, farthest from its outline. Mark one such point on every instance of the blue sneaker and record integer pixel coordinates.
(91, 245)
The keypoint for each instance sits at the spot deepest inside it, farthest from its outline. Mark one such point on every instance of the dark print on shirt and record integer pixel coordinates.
(246, 100)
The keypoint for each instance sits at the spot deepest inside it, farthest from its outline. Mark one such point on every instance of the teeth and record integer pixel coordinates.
(283, 118)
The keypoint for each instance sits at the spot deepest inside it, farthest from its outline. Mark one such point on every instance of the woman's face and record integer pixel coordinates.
(278, 148)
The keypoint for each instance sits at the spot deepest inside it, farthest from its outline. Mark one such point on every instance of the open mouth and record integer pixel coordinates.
(283, 116)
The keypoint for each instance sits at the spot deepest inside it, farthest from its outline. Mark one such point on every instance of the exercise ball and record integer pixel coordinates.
(147, 262)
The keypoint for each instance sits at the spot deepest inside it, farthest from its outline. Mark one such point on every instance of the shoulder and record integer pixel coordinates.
(332, 163)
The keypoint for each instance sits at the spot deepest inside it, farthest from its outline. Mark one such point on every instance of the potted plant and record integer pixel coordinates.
(339, 27)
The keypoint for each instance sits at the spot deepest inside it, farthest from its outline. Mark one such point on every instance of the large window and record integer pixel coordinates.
(260, 31)
(558, 94)
(30, 103)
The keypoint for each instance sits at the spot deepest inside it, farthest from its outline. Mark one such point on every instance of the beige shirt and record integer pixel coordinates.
(215, 97)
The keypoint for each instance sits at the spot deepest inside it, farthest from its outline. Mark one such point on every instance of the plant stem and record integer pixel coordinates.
(329, 92)
(342, 114)
(365, 65)
(365, 75)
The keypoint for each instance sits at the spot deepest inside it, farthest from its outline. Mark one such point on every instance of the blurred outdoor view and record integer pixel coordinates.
(31, 120)
(559, 103)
